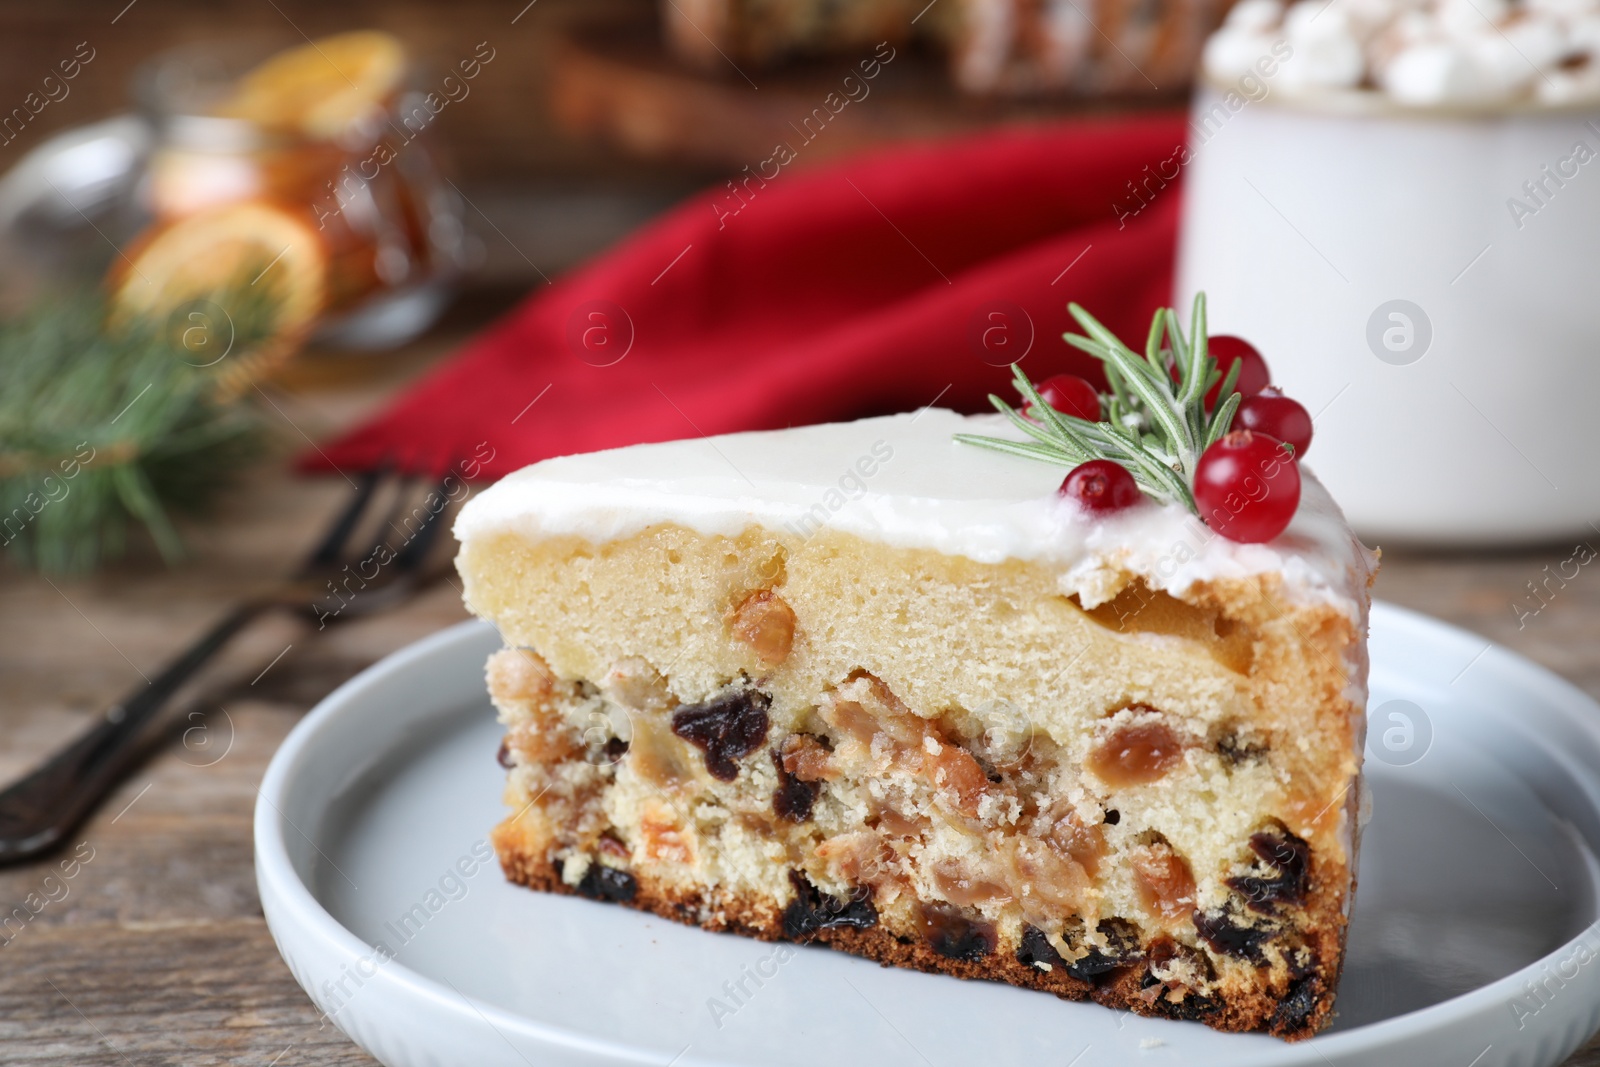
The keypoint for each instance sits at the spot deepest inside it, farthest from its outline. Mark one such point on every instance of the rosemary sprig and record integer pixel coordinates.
(1155, 427)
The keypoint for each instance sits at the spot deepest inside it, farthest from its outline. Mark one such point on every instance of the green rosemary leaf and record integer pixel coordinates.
(1121, 402)
(1178, 345)
(1152, 342)
(1191, 368)
(1061, 424)
(1200, 331)
(1151, 469)
(1159, 408)
(1016, 448)
(1229, 381)
(1116, 353)
(1086, 344)
(1222, 420)
(1032, 429)
(1152, 387)
(1188, 359)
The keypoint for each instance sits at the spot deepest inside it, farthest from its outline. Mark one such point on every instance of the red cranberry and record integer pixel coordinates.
(1227, 350)
(1071, 395)
(1271, 413)
(1101, 486)
(1247, 487)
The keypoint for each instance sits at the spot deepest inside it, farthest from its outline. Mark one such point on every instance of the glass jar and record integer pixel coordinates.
(361, 178)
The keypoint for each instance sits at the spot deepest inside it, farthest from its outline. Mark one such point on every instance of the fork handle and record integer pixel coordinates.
(38, 811)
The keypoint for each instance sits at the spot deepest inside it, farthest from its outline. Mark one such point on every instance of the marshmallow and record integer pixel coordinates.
(1414, 26)
(1311, 19)
(1421, 52)
(1411, 28)
(1230, 54)
(1542, 41)
(1583, 35)
(1503, 69)
(1254, 16)
(1465, 18)
(1327, 54)
(1369, 17)
(1436, 73)
(1324, 63)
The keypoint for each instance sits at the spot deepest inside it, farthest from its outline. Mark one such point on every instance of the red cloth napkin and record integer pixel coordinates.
(883, 284)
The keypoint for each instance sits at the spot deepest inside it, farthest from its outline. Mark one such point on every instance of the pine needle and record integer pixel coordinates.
(105, 431)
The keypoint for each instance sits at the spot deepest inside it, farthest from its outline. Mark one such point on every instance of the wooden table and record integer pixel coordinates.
(158, 953)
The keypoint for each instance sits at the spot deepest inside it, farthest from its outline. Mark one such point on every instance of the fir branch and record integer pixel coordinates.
(106, 430)
(1154, 426)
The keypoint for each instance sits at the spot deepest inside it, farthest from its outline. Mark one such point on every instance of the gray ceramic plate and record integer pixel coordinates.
(1472, 943)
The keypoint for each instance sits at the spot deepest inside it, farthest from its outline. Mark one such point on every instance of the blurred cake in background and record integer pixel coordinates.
(705, 33)
(994, 46)
(1109, 46)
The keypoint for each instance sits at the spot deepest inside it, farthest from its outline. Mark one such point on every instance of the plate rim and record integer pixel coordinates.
(292, 899)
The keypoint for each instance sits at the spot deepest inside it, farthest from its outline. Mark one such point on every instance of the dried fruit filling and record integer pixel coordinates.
(1289, 859)
(728, 727)
(1040, 857)
(766, 623)
(1136, 753)
(1165, 883)
(812, 910)
(954, 933)
(795, 796)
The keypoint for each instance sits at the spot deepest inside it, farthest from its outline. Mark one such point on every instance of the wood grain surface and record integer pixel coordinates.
(157, 952)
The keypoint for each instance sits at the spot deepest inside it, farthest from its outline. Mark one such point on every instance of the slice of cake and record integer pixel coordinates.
(873, 687)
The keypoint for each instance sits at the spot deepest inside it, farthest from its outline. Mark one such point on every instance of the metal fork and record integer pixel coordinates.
(39, 810)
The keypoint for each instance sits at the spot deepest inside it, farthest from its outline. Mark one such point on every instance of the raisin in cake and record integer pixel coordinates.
(863, 685)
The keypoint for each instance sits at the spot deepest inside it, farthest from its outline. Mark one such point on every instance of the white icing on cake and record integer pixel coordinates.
(903, 480)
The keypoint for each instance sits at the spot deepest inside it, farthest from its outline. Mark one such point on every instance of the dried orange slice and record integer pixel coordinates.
(237, 287)
(322, 86)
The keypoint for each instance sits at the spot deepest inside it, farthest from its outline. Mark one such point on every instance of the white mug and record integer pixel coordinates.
(1427, 284)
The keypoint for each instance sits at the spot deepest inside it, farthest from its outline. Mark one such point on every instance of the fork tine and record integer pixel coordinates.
(415, 550)
(402, 497)
(327, 551)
